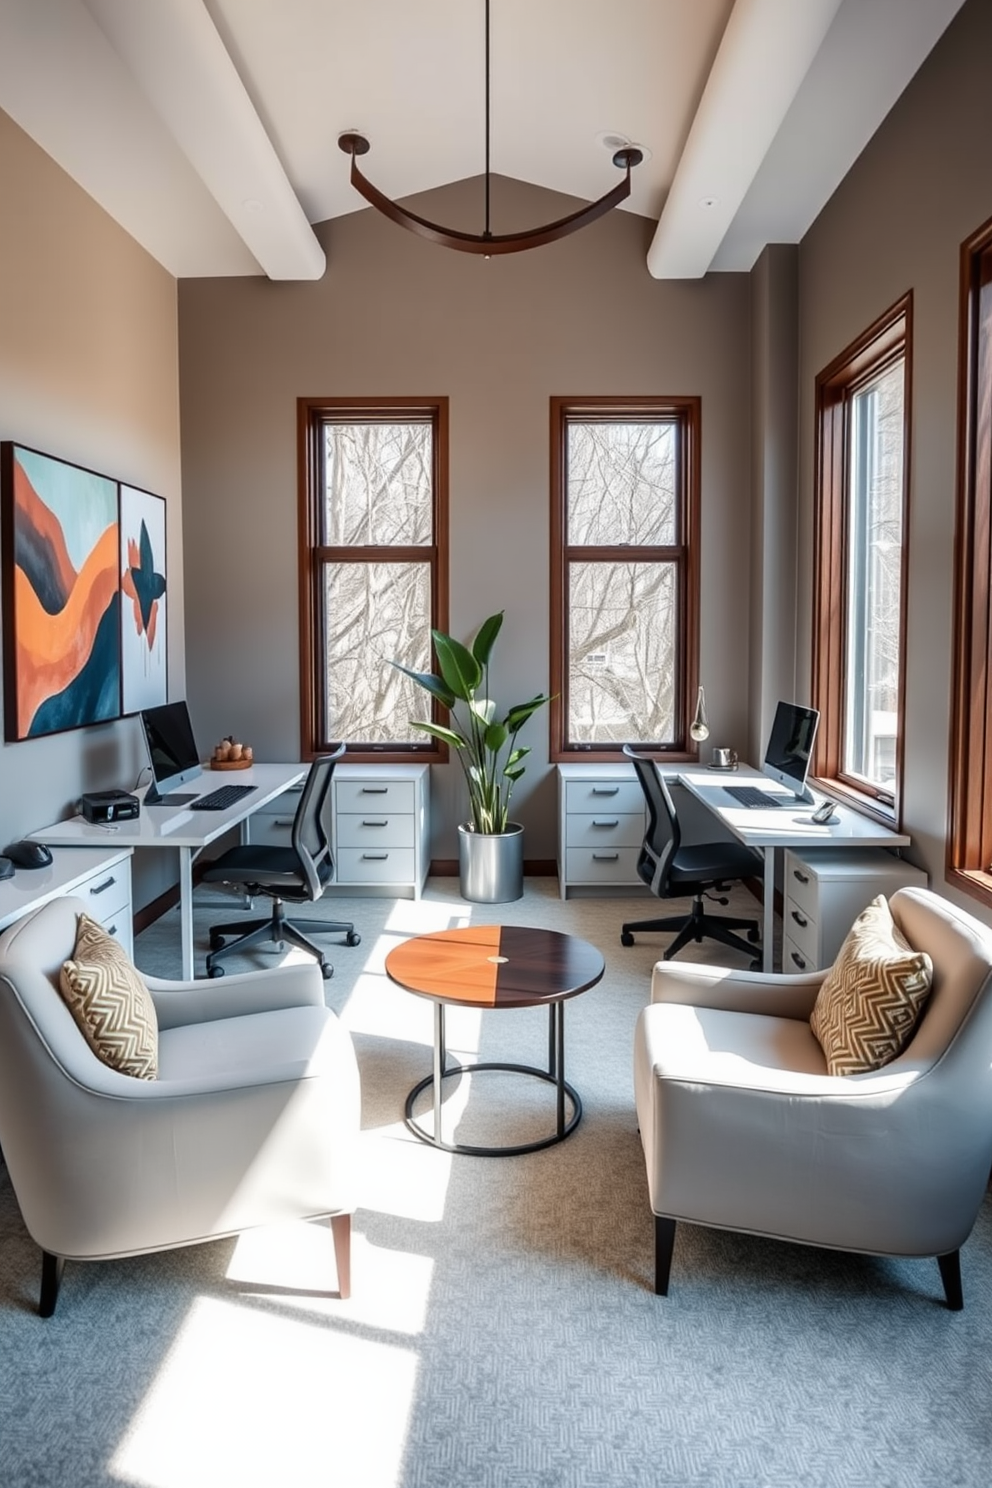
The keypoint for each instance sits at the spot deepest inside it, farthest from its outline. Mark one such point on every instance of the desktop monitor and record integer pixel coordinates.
(171, 750)
(790, 748)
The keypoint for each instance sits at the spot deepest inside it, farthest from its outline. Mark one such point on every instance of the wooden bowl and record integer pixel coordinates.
(241, 764)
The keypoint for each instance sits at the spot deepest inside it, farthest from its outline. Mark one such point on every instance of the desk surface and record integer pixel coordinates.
(177, 826)
(30, 888)
(781, 826)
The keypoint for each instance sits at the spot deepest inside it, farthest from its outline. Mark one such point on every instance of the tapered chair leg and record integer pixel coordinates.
(664, 1244)
(950, 1275)
(52, 1267)
(341, 1236)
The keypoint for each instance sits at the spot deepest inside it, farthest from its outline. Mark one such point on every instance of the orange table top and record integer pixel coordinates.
(496, 966)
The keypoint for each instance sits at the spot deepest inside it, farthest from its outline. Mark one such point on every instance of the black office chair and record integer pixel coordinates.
(299, 873)
(672, 872)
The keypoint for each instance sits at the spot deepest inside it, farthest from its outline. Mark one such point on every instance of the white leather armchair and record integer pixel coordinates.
(254, 1117)
(744, 1129)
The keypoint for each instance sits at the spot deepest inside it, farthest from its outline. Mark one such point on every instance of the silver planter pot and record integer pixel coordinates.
(491, 866)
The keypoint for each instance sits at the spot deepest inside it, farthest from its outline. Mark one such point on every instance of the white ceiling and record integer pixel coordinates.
(208, 128)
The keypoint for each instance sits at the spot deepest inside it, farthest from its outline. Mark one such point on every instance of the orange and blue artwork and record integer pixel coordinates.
(61, 595)
(143, 599)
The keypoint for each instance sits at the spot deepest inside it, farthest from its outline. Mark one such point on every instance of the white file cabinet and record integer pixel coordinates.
(824, 891)
(380, 827)
(601, 823)
(102, 880)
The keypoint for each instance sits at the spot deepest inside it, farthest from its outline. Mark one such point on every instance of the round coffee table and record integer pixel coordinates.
(496, 966)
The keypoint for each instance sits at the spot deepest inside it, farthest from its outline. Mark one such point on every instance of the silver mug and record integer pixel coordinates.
(724, 759)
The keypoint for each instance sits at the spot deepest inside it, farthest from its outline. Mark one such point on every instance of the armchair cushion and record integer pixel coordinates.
(871, 999)
(110, 1003)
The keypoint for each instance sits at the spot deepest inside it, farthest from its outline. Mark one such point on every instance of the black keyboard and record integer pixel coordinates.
(221, 798)
(750, 795)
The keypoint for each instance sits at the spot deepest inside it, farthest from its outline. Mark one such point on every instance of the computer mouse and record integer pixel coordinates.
(28, 854)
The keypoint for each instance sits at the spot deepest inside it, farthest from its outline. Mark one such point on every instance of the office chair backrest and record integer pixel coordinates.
(663, 835)
(310, 840)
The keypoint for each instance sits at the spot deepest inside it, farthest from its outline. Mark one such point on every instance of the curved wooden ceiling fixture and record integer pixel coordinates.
(486, 242)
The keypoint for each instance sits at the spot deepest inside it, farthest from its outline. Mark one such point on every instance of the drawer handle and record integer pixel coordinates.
(605, 790)
(375, 790)
(798, 960)
(376, 857)
(111, 929)
(614, 823)
(605, 857)
(283, 821)
(800, 919)
(802, 877)
(383, 823)
(108, 883)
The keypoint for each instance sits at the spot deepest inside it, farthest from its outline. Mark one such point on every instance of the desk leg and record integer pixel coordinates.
(768, 928)
(186, 909)
(440, 1060)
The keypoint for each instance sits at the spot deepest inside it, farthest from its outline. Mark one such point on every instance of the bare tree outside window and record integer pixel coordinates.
(375, 510)
(623, 574)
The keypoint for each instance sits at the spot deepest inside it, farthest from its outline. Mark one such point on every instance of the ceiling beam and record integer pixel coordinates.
(181, 65)
(764, 55)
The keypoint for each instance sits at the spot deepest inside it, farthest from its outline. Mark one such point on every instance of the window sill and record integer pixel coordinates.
(972, 881)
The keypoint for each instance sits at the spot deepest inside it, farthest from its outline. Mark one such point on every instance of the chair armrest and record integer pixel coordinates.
(736, 991)
(178, 1004)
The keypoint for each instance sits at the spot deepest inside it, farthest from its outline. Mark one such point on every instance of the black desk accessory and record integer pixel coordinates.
(26, 854)
(109, 806)
(6, 868)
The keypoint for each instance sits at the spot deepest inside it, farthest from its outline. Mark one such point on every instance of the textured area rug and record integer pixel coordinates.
(502, 1329)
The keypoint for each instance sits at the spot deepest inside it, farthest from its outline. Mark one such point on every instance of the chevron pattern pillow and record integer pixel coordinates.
(110, 1002)
(872, 997)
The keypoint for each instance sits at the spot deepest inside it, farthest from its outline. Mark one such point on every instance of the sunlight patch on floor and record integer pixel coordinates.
(248, 1398)
(403, 1176)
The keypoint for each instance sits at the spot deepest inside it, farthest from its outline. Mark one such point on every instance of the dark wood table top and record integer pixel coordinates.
(496, 966)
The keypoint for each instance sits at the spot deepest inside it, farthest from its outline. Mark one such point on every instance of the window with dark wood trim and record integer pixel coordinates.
(860, 564)
(624, 575)
(373, 536)
(969, 854)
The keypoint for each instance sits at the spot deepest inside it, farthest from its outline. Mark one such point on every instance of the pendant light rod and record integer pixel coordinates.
(487, 242)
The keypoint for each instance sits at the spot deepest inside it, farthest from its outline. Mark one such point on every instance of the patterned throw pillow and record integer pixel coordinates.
(872, 997)
(110, 1002)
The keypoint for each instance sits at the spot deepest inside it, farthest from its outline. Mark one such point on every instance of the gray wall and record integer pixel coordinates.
(88, 372)
(896, 223)
(394, 316)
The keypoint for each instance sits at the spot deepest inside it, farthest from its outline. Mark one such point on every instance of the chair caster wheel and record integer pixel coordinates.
(754, 935)
(326, 970)
(755, 966)
(215, 971)
(626, 939)
(353, 938)
(216, 941)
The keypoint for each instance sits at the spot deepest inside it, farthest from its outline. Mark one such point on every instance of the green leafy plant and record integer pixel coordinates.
(486, 744)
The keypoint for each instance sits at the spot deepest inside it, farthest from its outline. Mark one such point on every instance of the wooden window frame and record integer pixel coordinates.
(688, 412)
(313, 556)
(887, 340)
(969, 846)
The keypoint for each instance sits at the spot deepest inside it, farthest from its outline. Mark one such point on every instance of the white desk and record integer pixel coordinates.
(99, 875)
(178, 827)
(778, 826)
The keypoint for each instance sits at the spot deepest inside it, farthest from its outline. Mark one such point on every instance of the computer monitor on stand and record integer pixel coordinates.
(790, 748)
(172, 752)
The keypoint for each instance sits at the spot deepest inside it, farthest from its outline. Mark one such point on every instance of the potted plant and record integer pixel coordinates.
(490, 846)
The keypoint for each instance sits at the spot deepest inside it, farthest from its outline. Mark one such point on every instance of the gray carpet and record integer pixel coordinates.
(502, 1329)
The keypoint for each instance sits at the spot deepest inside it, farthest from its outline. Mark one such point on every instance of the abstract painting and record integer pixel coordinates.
(143, 599)
(61, 595)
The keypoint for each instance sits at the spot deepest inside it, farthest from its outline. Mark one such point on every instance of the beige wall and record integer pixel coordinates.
(88, 372)
(895, 224)
(394, 315)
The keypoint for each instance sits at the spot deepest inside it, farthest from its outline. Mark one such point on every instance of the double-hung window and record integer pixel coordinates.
(624, 580)
(373, 533)
(862, 403)
(970, 847)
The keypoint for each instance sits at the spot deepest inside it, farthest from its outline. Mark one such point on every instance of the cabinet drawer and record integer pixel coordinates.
(611, 796)
(584, 865)
(378, 796)
(356, 865)
(803, 931)
(605, 828)
(801, 885)
(373, 829)
(795, 959)
(106, 894)
(273, 831)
